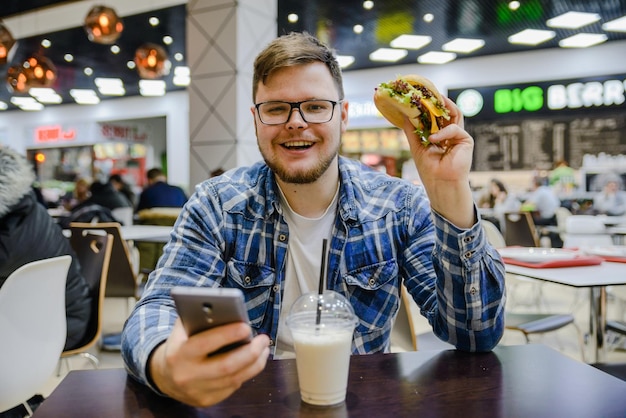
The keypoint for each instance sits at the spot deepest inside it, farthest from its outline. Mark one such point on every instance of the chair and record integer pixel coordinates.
(562, 213)
(530, 323)
(520, 229)
(93, 251)
(403, 336)
(33, 328)
(122, 276)
(585, 231)
(124, 215)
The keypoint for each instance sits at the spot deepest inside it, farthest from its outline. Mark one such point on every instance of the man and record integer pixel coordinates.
(611, 200)
(159, 194)
(261, 229)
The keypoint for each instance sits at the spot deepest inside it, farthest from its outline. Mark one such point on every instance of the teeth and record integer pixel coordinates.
(298, 144)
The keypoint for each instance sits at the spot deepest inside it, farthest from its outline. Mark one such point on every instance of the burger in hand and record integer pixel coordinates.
(417, 98)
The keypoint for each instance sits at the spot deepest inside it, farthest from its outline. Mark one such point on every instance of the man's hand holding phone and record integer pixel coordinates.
(182, 368)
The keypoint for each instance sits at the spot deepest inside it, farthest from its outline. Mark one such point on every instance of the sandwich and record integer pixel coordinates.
(417, 98)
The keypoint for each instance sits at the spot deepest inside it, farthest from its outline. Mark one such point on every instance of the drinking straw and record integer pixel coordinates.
(318, 317)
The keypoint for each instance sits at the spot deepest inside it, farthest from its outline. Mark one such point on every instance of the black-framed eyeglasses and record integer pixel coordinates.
(311, 111)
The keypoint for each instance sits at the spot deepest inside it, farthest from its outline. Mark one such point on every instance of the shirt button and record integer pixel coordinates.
(282, 237)
(473, 291)
(468, 239)
(372, 282)
(468, 254)
(271, 343)
(276, 288)
(247, 279)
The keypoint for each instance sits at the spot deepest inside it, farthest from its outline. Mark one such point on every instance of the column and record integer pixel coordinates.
(223, 38)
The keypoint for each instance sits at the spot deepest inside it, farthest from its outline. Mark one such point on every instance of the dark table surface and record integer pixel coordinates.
(512, 381)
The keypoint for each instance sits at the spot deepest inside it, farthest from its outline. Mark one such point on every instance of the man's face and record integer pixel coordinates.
(296, 151)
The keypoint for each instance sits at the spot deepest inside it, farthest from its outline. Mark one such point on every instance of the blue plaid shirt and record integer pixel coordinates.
(232, 233)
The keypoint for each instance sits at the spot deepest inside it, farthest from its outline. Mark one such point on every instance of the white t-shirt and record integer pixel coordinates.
(304, 261)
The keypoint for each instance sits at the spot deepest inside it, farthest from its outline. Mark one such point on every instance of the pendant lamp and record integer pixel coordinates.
(103, 25)
(6, 43)
(151, 61)
(16, 79)
(36, 71)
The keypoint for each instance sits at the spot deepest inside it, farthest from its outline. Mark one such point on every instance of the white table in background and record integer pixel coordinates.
(152, 233)
(597, 278)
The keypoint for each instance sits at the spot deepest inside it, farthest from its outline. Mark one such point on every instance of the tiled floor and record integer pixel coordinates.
(522, 297)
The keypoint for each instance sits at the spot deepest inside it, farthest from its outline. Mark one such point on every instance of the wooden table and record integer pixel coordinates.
(597, 278)
(512, 381)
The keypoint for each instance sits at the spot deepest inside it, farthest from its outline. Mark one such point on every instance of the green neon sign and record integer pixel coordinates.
(529, 99)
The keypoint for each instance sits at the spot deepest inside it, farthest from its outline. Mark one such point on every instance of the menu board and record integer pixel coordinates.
(536, 143)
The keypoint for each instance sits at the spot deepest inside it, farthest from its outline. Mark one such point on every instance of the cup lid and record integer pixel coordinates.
(333, 308)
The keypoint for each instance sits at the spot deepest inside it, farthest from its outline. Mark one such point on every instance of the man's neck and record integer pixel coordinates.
(312, 199)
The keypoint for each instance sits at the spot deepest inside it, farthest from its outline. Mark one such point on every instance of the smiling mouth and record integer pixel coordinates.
(298, 145)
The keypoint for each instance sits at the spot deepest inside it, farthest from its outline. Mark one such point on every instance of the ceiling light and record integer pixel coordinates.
(182, 76)
(514, 5)
(152, 87)
(103, 25)
(45, 95)
(463, 45)
(167, 40)
(292, 18)
(3, 105)
(368, 5)
(428, 17)
(358, 29)
(39, 71)
(26, 103)
(151, 60)
(531, 37)
(436, 57)
(154, 21)
(410, 41)
(84, 96)
(573, 20)
(583, 40)
(88, 71)
(345, 60)
(68, 57)
(7, 42)
(178, 56)
(617, 25)
(115, 49)
(388, 54)
(46, 43)
(16, 79)
(110, 86)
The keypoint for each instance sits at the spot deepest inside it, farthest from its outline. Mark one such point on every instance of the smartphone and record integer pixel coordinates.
(202, 308)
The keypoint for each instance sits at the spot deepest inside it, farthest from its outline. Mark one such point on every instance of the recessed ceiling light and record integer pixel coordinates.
(463, 45)
(514, 5)
(410, 41)
(573, 20)
(131, 65)
(110, 86)
(3, 105)
(436, 57)
(152, 87)
(358, 29)
(345, 60)
(583, 40)
(292, 18)
(85, 96)
(46, 43)
(531, 37)
(388, 54)
(428, 17)
(368, 5)
(617, 25)
(88, 71)
(182, 76)
(115, 49)
(167, 40)
(68, 57)
(45, 95)
(178, 56)
(154, 21)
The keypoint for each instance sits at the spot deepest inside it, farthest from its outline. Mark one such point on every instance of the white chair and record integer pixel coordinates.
(403, 334)
(585, 231)
(33, 328)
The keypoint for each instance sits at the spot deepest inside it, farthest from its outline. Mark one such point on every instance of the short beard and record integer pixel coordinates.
(301, 177)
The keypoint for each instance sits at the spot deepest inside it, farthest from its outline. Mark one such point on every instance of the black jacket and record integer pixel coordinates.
(28, 233)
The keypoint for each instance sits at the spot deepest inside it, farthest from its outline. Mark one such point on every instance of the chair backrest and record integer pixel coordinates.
(585, 224)
(33, 328)
(562, 213)
(403, 333)
(124, 215)
(494, 236)
(520, 229)
(121, 279)
(93, 250)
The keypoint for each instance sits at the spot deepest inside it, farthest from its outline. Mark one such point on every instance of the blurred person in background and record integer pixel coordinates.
(563, 177)
(160, 194)
(124, 188)
(28, 233)
(499, 199)
(612, 199)
(78, 195)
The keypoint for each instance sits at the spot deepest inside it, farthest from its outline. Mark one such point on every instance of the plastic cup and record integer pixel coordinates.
(322, 348)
